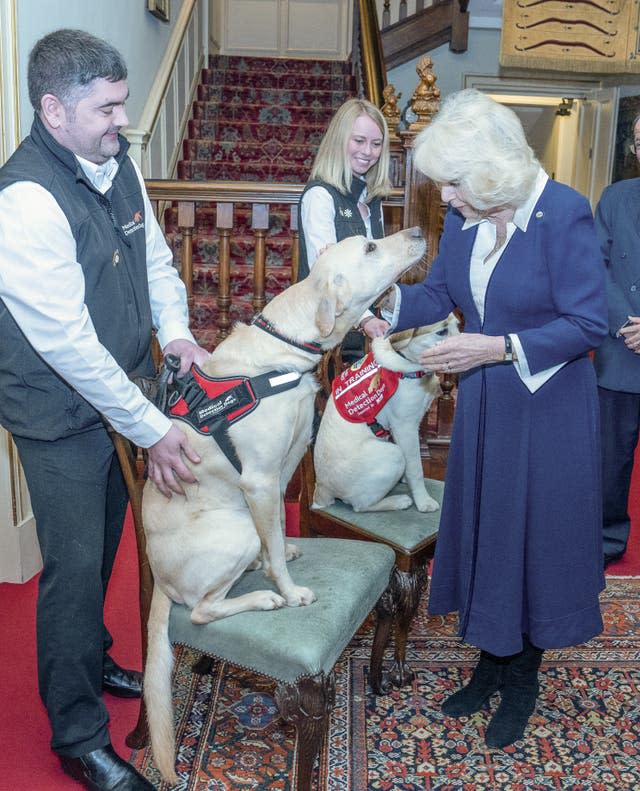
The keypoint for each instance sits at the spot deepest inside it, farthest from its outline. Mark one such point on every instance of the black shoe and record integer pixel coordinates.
(121, 682)
(104, 770)
(517, 698)
(608, 559)
(485, 680)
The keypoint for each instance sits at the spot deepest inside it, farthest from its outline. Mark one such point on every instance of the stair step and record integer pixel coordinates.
(251, 94)
(246, 171)
(237, 152)
(256, 113)
(250, 132)
(286, 81)
(279, 65)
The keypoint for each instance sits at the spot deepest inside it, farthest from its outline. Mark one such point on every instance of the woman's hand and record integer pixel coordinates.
(463, 352)
(374, 327)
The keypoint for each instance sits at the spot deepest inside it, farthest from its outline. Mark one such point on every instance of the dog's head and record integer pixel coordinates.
(352, 274)
(412, 342)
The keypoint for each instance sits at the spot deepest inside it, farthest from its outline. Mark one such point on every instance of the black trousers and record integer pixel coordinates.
(620, 424)
(79, 501)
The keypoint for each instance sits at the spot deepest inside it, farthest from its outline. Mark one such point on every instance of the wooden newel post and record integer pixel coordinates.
(421, 200)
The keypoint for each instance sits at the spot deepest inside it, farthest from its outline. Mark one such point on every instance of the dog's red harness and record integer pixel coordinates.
(210, 405)
(361, 391)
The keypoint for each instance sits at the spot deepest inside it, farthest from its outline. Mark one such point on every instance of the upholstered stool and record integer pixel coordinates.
(298, 646)
(412, 536)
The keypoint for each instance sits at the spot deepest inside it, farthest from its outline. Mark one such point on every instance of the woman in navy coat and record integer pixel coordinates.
(519, 552)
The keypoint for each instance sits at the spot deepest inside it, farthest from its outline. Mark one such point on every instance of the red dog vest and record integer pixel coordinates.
(361, 390)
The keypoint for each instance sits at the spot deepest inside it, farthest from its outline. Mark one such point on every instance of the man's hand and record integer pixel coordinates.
(188, 353)
(631, 334)
(166, 465)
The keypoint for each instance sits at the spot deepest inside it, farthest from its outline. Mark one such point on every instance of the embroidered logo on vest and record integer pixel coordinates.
(134, 224)
(361, 391)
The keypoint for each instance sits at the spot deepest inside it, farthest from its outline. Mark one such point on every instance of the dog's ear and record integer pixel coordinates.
(326, 315)
(334, 301)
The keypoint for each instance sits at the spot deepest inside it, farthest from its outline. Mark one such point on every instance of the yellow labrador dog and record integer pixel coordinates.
(353, 461)
(233, 518)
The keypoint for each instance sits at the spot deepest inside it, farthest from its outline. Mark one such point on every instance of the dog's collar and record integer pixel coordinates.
(414, 374)
(264, 324)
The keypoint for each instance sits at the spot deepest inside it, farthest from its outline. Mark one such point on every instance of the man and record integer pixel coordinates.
(617, 361)
(85, 275)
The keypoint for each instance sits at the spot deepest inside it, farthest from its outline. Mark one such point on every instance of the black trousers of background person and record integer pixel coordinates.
(620, 425)
(79, 501)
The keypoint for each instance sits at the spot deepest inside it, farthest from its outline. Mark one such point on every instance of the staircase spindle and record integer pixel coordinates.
(224, 225)
(386, 14)
(186, 223)
(402, 14)
(295, 250)
(446, 406)
(260, 224)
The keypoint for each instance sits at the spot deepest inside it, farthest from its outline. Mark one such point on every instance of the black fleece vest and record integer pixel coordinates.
(109, 232)
(348, 220)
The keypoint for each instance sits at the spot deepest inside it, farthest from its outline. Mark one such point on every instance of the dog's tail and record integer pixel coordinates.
(157, 686)
(387, 357)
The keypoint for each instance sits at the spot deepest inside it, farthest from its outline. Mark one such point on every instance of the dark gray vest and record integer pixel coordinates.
(348, 220)
(109, 232)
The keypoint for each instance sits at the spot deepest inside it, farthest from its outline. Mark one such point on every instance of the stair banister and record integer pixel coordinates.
(370, 50)
(157, 141)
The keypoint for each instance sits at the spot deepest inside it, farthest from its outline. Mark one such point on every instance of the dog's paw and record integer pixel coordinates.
(291, 552)
(300, 597)
(270, 600)
(426, 504)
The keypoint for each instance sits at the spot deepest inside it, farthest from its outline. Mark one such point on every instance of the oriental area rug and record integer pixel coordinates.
(584, 735)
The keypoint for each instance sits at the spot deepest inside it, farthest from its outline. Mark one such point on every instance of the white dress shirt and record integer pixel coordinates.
(42, 286)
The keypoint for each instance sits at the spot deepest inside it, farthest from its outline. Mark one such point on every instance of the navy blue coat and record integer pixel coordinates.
(618, 226)
(519, 549)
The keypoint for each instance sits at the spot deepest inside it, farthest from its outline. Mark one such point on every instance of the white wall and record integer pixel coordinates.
(134, 31)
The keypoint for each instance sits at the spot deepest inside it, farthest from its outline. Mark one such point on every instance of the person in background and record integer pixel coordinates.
(617, 361)
(85, 277)
(519, 546)
(343, 196)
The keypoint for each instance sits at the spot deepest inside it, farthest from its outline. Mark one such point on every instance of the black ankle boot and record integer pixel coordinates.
(518, 697)
(485, 680)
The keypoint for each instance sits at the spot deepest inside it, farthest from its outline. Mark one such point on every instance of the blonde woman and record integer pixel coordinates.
(343, 196)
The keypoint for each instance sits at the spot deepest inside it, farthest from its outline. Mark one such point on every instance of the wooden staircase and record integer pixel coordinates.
(254, 120)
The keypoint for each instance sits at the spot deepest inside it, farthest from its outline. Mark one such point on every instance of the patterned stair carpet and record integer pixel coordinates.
(584, 735)
(260, 120)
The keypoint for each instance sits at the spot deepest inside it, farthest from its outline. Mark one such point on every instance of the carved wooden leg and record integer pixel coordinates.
(385, 610)
(407, 588)
(307, 705)
(133, 472)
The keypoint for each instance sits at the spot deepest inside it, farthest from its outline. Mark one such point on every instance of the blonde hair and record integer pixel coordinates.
(332, 165)
(480, 145)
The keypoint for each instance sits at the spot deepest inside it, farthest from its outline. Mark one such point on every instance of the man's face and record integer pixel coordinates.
(91, 129)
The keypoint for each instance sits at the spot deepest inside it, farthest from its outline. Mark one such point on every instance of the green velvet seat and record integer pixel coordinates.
(412, 536)
(299, 646)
